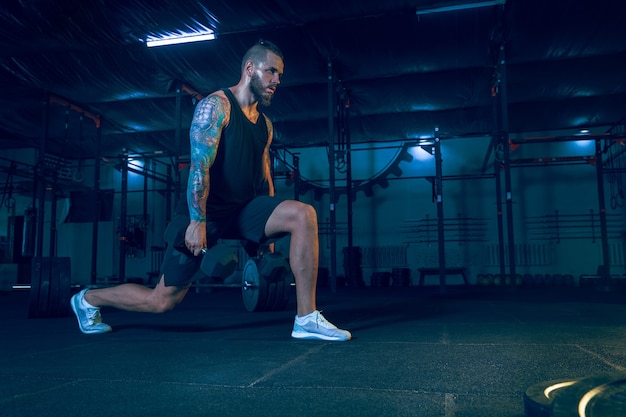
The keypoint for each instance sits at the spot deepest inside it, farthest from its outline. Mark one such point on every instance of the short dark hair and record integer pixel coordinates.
(258, 51)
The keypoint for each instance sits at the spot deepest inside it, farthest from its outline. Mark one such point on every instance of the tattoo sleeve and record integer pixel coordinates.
(204, 135)
(266, 157)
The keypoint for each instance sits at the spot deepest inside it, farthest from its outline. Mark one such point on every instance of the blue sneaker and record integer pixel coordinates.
(89, 319)
(315, 326)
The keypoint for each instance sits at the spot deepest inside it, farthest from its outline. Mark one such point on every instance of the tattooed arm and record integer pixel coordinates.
(267, 174)
(210, 117)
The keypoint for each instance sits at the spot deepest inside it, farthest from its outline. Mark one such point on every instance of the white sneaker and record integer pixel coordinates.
(89, 319)
(315, 326)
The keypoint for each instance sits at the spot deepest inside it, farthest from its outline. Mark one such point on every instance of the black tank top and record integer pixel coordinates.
(237, 172)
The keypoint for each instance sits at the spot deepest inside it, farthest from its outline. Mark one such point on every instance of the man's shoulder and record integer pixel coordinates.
(219, 101)
(218, 96)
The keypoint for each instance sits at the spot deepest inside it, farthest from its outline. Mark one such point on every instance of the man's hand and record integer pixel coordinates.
(195, 237)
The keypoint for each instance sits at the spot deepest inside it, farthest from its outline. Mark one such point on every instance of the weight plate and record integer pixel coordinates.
(60, 287)
(35, 285)
(254, 287)
(55, 289)
(40, 288)
(596, 396)
(273, 267)
(44, 288)
(280, 295)
(65, 290)
(50, 289)
(272, 292)
(538, 398)
(283, 299)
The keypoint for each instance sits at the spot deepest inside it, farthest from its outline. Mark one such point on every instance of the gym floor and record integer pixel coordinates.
(468, 352)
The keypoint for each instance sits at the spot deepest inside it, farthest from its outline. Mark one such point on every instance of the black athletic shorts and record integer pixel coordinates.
(247, 223)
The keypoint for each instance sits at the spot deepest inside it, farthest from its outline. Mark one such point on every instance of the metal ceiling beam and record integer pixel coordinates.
(460, 6)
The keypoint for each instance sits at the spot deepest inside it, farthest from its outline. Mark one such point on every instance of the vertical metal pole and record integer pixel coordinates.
(606, 255)
(53, 221)
(39, 180)
(178, 138)
(331, 169)
(144, 220)
(168, 196)
(504, 134)
(509, 209)
(145, 189)
(123, 215)
(441, 239)
(496, 142)
(499, 210)
(11, 225)
(352, 270)
(296, 177)
(97, 199)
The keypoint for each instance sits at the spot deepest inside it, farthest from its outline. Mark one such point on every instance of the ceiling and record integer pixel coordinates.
(82, 63)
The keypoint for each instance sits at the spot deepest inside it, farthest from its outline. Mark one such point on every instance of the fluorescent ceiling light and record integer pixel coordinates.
(180, 38)
(463, 6)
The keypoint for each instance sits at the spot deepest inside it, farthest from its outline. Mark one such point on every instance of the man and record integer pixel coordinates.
(230, 164)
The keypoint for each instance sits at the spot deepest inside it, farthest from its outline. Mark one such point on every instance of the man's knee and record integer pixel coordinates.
(164, 301)
(307, 216)
(292, 216)
(163, 305)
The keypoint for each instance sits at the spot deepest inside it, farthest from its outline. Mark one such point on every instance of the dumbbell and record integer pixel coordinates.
(266, 277)
(218, 261)
(273, 266)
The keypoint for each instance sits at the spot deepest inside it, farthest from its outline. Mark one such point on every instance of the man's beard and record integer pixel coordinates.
(258, 91)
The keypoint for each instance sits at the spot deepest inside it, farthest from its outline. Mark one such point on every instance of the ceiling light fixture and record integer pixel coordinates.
(153, 41)
(463, 6)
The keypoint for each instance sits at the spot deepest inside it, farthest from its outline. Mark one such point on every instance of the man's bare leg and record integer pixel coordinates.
(134, 297)
(300, 220)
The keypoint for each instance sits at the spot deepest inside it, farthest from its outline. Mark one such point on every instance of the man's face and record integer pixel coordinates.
(266, 77)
